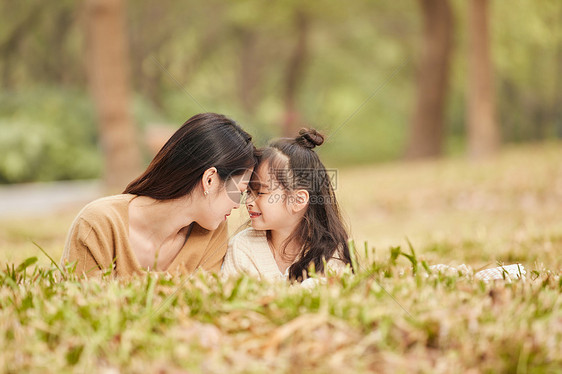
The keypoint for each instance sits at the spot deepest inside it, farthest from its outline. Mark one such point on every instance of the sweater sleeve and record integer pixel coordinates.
(337, 267)
(238, 259)
(84, 248)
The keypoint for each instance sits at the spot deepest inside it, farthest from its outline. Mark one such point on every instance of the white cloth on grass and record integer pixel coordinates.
(505, 272)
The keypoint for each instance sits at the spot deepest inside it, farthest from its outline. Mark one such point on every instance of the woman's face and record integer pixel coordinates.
(269, 204)
(222, 198)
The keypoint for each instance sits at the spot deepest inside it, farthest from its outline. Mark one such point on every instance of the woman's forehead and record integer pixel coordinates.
(243, 178)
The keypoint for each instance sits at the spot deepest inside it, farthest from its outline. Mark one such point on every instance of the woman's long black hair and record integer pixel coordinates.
(203, 141)
(295, 166)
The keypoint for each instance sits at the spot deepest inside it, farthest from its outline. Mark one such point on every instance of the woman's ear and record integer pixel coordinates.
(209, 180)
(300, 200)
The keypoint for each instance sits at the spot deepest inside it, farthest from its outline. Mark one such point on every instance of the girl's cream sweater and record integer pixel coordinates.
(249, 252)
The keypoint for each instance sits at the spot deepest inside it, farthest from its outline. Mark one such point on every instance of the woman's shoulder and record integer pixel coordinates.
(106, 209)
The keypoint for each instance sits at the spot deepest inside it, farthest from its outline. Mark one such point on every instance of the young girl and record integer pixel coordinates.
(295, 218)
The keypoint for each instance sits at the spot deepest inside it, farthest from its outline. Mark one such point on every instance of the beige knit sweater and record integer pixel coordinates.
(98, 240)
(249, 252)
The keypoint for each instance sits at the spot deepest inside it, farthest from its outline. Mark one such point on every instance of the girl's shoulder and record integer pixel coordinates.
(250, 242)
(250, 236)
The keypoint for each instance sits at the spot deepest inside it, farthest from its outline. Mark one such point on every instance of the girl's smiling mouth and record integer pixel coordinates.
(254, 214)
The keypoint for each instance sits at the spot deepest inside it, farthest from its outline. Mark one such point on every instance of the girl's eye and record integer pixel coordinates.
(252, 194)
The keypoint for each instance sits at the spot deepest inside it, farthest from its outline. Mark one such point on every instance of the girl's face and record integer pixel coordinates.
(222, 199)
(269, 205)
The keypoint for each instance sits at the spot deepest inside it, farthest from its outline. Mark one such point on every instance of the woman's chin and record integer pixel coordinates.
(211, 226)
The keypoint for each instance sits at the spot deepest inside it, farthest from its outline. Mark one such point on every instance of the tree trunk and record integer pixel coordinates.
(13, 41)
(250, 71)
(294, 77)
(557, 102)
(427, 128)
(108, 73)
(483, 130)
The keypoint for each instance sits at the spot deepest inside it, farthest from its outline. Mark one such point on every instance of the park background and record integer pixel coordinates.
(443, 118)
(444, 123)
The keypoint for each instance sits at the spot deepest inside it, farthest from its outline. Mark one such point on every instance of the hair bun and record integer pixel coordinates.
(309, 138)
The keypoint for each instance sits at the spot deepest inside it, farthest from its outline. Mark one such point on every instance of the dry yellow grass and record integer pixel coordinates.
(382, 319)
(453, 211)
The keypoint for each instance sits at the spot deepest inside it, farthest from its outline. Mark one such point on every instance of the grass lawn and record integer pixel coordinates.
(386, 318)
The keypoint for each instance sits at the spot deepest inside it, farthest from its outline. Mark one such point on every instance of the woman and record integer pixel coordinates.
(172, 217)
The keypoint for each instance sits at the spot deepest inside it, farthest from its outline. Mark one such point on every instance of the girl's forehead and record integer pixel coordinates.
(263, 168)
(268, 171)
(263, 173)
(264, 176)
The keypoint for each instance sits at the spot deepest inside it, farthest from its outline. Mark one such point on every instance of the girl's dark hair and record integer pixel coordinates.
(203, 141)
(295, 165)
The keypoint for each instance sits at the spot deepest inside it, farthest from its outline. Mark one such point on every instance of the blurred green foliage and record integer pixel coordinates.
(233, 58)
(47, 134)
